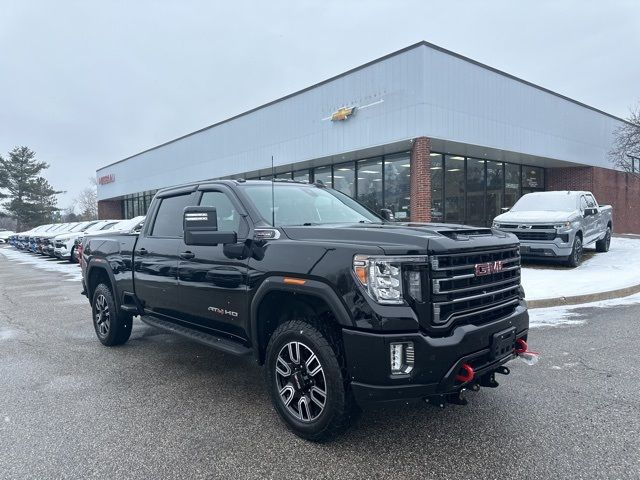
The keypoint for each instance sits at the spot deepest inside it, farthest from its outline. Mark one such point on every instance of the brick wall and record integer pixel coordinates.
(420, 203)
(110, 209)
(621, 190)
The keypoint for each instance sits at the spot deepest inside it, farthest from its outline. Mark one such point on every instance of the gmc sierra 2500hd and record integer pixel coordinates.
(342, 307)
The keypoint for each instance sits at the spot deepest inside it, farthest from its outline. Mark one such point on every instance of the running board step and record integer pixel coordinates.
(219, 343)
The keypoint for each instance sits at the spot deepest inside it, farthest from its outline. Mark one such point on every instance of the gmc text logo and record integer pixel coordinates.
(488, 268)
(107, 179)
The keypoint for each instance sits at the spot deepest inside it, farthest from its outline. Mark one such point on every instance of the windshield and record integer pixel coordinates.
(79, 227)
(546, 203)
(305, 205)
(127, 225)
(95, 226)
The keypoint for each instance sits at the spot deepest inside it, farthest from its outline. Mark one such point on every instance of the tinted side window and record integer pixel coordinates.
(168, 221)
(228, 217)
(591, 201)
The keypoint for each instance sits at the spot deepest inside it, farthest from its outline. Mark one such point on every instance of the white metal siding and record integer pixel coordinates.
(424, 91)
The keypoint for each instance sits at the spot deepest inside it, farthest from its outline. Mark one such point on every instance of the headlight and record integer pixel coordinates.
(382, 277)
(562, 226)
(496, 225)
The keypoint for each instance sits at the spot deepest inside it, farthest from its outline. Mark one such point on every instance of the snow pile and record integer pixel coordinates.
(599, 272)
(569, 315)
(71, 271)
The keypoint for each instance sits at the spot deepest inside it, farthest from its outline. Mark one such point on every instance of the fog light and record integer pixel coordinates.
(402, 358)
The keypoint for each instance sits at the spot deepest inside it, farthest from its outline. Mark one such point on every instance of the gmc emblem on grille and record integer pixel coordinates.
(488, 268)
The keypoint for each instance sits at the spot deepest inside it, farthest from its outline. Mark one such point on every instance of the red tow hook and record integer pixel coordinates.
(468, 373)
(521, 346)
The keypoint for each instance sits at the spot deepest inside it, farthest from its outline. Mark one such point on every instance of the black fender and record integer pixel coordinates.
(314, 288)
(102, 264)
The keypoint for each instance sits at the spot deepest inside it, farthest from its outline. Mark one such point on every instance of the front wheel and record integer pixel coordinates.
(576, 253)
(112, 326)
(306, 382)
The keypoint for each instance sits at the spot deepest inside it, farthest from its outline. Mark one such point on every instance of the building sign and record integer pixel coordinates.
(342, 114)
(103, 180)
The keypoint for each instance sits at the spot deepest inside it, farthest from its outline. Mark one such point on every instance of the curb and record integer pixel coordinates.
(588, 298)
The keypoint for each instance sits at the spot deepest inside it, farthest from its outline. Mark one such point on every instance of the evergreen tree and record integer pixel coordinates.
(28, 197)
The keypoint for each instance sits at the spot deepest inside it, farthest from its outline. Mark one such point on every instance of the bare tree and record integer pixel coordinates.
(625, 151)
(87, 202)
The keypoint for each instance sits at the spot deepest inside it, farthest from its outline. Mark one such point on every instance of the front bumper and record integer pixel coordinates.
(62, 252)
(545, 249)
(437, 359)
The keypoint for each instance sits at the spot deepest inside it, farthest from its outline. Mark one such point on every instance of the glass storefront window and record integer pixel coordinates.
(437, 187)
(137, 204)
(397, 185)
(323, 174)
(370, 183)
(495, 186)
(344, 178)
(454, 188)
(532, 179)
(301, 176)
(511, 184)
(475, 186)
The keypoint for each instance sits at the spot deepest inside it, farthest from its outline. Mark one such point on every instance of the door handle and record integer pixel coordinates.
(187, 255)
(142, 251)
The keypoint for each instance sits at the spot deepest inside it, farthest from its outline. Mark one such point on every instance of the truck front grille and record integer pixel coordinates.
(532, 235)
(474, 287)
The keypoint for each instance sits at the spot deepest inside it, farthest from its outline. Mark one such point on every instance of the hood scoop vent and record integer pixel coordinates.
(466, 234)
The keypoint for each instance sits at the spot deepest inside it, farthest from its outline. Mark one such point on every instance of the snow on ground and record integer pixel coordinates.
(71, 271)
(6, 334)
(573, 314)
(618, 268)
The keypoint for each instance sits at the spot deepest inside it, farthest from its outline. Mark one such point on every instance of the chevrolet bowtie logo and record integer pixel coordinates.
(342, 114)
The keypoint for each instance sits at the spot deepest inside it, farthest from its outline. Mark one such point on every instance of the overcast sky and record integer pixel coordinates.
(86, 83)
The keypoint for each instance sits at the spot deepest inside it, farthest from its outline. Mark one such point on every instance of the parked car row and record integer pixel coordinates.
(64, 240)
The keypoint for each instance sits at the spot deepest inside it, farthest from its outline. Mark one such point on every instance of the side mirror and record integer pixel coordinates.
(589, 211)
(387, 214)
(505, 209)
(200, 226)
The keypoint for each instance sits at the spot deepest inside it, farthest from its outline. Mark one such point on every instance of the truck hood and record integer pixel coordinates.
(536, 216)
(403, 238)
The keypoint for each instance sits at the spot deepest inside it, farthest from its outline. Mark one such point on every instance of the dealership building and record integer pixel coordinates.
(425, 132)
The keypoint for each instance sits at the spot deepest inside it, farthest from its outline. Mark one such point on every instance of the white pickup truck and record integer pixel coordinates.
(558, 224)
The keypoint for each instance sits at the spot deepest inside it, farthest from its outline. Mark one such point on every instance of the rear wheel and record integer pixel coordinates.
(73, 258)
(576, 253)
(112, 326)
(603, 245)
(306, 381)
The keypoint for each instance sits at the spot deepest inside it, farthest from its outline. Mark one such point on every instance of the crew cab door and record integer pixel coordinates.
(212, 279)
(590, 222)
(599, 223)
(155, 257)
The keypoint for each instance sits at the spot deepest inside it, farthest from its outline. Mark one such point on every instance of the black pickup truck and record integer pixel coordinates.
(343, 307)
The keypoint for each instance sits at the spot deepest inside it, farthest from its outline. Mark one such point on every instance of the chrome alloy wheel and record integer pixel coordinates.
(103, 316)
(300, 381)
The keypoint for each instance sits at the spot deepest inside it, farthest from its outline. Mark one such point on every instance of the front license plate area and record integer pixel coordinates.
(503, 343)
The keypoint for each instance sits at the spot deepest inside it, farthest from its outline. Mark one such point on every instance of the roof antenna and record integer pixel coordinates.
(273, 195)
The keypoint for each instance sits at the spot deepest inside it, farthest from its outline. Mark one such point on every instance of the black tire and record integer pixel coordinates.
(603, 245)
(339, 409)
(576, 253)
(112, 326)
(72, 255)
